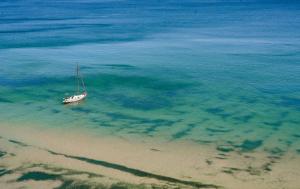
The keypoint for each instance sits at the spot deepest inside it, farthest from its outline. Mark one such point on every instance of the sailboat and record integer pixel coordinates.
(78, 96)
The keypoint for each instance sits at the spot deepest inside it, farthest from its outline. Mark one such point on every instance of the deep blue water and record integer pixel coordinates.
(209, 71)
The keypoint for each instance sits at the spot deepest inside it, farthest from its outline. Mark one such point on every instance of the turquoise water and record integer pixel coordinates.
(212, 72)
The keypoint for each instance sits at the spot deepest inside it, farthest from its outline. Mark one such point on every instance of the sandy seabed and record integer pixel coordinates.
(38, 157)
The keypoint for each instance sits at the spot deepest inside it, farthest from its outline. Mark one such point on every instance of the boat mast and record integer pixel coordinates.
(81, 78)
(77, 73)
(83, 85)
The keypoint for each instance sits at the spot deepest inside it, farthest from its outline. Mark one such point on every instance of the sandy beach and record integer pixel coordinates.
(31, 156)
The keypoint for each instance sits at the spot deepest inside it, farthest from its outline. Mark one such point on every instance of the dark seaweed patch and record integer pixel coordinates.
(222, 154)
(249, 145)
(66, 172)
(288, 143)
(218, 112)
(136, 172)
(40, 108)
(231, 170)
(38, 175)
(209, 162)
(184, 132)
(72, 184)
(250, 170)
(298, 151)
(158, 91)
(133, 132)
(156, 123)
(2, 170)
(119, 116)
(2, 153)
(159, 122)
(67, 183)
(102, 123)
(55, 111)
(132, 186)
(203, 141)
(110, 81)
(152, 124)
(155, 150)
(244, 119)
(18, 143)
(153, 128)
(224, 148)
(253, 171)
(249, 131)
(5, 172)
(141, 103)
(227, 171)
(120, 186)
(267, 167)
(28, 103)
(276, 151)
(274, 124)
(5, 100)
(296, 135)
(218, 130)
(82, 110)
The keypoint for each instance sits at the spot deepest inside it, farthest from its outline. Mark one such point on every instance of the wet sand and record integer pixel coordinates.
(35, 156)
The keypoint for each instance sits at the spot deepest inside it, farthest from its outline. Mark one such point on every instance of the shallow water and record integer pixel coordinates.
(219, 74)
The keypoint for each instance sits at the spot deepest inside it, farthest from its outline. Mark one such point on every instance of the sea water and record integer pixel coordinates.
(212, 72)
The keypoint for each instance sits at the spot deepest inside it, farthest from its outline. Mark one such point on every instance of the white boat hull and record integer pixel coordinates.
(75, 98)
